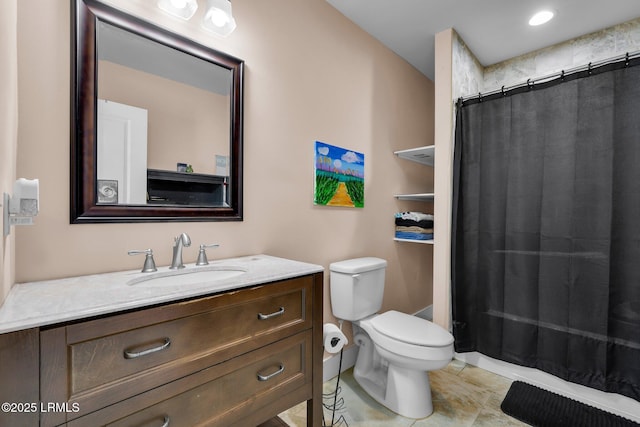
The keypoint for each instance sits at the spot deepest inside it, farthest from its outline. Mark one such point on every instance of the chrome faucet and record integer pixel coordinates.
(181, 241)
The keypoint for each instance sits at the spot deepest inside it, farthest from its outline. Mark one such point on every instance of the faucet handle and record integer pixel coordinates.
(202, 254)
(149, 264)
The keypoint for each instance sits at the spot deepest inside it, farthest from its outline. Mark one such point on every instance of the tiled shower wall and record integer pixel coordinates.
(469, 77)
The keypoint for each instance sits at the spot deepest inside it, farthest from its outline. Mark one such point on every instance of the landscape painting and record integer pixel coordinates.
(339, 176)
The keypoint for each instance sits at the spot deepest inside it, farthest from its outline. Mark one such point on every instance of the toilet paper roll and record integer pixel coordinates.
(333, 338)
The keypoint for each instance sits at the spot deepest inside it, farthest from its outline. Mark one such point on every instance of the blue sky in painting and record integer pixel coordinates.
(342, 159)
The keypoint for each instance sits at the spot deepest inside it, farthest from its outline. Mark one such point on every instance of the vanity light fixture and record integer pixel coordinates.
(541, 17)
(184, 9)
(218, 17)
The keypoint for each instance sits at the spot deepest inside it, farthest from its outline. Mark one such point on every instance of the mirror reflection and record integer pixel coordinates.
(163, 124)
(168, 143)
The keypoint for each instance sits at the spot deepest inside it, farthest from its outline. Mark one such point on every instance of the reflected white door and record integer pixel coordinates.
(122, 150)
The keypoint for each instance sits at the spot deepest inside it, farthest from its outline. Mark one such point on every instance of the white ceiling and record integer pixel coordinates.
(494, 30)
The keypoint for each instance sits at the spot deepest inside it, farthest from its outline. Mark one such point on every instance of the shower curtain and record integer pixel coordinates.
(546, 228)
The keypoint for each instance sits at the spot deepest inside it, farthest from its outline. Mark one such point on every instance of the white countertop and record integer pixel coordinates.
(49, 302)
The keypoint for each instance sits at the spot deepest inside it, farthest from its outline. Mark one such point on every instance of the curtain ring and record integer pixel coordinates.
(479, 97)
(529, 84)
(626, 59)
(589, 68)
(562, 76)
(502, 91)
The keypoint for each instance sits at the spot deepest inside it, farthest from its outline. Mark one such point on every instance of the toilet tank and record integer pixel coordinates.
(356, 287)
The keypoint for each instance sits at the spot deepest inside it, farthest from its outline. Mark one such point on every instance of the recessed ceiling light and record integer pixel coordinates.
(541, 18)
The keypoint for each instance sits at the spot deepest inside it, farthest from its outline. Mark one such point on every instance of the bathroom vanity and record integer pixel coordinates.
(127, 349)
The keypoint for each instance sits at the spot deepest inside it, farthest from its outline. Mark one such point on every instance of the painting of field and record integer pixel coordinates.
(339, 177)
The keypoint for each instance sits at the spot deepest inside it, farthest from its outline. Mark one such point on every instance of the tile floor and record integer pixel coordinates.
(463, 396)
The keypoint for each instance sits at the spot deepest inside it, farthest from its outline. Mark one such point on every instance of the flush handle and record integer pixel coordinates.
(269, 376)
(130, 354)
(270, 315)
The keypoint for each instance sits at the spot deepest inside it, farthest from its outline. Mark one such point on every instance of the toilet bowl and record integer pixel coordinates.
(392, 364)
(396, 350)
(410, 340)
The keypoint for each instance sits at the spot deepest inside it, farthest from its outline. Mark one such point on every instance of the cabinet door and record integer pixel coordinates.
(19, 366)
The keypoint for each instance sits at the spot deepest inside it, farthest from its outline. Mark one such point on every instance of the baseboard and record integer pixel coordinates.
(610, 402)
(330, 364)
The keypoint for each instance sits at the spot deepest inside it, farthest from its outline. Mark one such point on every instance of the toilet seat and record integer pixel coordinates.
(411, 329)
(407, 336)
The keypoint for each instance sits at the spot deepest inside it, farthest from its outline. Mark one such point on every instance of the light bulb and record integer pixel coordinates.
(179, 4)
(218, 17)
(184, 9)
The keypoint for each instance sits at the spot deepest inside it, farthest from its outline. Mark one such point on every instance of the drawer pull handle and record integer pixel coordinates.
(268, 377)
(128, 354)
(270, 315)
(167, 421)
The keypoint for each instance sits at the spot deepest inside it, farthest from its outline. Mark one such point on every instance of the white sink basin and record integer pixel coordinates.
(188, 276)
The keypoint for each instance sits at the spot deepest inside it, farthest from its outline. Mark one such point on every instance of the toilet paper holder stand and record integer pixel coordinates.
(22, 207)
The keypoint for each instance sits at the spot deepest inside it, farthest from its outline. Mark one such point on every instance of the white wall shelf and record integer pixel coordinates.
(418, 197)
(424, 242)
(424, 155)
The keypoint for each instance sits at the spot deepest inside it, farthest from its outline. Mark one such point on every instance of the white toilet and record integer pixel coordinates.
(395, 349)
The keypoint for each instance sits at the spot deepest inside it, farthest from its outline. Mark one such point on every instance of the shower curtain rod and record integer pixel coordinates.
(530, 83)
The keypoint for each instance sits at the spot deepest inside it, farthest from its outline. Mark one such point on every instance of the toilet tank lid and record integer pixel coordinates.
(411, 329)
(358, 265)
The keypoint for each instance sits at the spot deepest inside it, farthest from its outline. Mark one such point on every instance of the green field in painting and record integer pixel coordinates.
(327, 184)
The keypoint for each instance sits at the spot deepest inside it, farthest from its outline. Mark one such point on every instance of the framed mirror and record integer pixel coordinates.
(156, 123)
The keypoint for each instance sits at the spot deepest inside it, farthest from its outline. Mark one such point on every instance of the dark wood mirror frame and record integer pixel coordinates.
(84, 209)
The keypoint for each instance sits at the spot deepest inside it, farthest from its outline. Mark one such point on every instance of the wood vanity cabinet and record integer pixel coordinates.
(234, 358)
(19, 372)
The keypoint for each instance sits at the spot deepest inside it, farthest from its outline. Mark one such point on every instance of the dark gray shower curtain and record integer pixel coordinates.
(546, 246)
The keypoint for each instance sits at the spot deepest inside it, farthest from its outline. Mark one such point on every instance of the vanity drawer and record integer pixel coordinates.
(103, 361)
(220, 395)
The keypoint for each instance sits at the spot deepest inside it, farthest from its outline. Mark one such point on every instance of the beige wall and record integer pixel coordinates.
(311, 75)
(192, 128)
(8, 130)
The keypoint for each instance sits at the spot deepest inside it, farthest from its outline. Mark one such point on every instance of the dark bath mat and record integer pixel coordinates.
(542, 408)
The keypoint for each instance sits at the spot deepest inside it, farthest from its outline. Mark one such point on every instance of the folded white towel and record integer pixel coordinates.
(415, 216)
